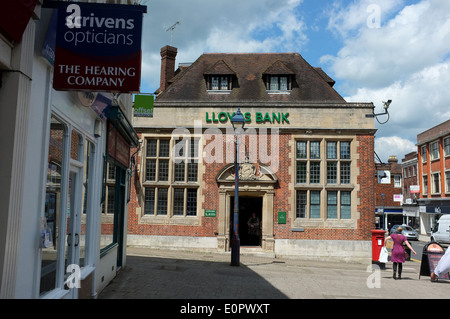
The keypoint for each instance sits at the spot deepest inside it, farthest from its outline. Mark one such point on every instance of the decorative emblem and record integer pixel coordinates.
(247, 171)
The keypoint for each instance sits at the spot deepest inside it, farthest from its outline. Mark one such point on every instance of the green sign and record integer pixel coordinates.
(281, 217)
(143, 105)
(268, 117)
(210, 213)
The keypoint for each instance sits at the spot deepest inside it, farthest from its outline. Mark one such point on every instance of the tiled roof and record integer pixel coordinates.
(248, 70)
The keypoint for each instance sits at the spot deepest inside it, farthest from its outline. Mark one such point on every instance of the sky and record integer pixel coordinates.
(375, 50)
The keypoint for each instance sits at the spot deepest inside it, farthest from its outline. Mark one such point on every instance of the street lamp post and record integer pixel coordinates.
(238, 122)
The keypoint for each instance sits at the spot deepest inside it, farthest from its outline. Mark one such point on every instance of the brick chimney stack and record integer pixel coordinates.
(168, 54)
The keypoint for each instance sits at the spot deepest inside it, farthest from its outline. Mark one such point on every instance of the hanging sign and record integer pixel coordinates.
(98, 47)
(384, 177)
(414, 189)
(143, 105)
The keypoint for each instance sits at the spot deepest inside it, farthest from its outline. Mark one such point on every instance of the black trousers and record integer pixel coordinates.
(400, 268)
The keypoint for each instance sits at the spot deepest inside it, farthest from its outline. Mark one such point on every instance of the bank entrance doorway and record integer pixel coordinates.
(250, 220)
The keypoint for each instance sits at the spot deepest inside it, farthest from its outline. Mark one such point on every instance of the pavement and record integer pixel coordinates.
(170, 274)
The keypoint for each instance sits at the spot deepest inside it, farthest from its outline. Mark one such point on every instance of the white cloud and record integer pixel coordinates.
(349, 19)
(415, 38)
(407, 60)
(393, 145)
(218, 26)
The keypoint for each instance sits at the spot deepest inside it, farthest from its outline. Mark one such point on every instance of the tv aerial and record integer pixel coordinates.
(171, 30)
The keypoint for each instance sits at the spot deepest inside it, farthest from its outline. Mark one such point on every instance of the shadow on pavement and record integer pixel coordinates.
(171, 278)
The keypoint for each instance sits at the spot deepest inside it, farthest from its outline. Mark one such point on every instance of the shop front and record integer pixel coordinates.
(430, 212)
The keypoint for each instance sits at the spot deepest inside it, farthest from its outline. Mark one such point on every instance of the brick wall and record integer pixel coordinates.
(282, 200)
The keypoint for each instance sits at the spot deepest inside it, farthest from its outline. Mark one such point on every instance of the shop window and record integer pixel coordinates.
(113, 205)
(50, 228)
(65, 223)
(87, 177)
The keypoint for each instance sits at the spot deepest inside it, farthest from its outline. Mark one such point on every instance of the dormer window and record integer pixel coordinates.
(219, 83)
(278, 78)
(219, 78)
(278, 83)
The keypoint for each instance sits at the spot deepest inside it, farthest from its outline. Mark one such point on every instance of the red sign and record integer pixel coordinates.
(98, 47)
(14, 17)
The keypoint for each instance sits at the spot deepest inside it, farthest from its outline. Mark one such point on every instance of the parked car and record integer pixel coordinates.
(441, 231)
(408, 232)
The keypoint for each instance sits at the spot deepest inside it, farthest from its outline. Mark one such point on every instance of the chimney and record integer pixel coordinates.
(168, 54)
(392, 159)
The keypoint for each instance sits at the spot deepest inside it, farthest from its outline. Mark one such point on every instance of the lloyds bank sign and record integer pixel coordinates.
(258, 117)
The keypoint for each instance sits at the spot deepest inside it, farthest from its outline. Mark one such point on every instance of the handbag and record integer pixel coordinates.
(403, 246)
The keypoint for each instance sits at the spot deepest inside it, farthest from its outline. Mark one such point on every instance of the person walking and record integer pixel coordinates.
(398, 252)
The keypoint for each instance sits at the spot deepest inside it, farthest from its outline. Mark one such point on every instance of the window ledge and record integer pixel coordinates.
(277, 92)
(219, 91)
(173, 220)
(324, 223)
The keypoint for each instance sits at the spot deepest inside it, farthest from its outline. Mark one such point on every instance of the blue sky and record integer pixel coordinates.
(375, 50)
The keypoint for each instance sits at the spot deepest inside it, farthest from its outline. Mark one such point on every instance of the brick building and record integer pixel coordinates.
(433, 148)
(388, 193)
(411, 189)
(306, 160)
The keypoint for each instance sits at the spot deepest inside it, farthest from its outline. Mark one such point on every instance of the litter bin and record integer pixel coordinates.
(377, 244)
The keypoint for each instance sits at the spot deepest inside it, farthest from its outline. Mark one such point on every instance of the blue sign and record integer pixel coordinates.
(98, 47)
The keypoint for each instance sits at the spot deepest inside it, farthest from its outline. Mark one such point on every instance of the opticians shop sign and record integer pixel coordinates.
(98, 47)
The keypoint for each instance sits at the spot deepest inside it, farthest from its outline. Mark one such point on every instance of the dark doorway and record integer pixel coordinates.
(250, 226)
